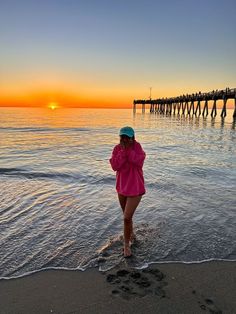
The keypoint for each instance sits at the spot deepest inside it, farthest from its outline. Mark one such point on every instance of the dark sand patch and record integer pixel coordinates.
(137, 283)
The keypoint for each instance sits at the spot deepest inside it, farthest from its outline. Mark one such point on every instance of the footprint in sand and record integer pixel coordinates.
(137, 283)
(206, 304)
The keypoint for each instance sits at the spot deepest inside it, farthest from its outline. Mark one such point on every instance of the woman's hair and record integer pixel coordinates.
(133, 137)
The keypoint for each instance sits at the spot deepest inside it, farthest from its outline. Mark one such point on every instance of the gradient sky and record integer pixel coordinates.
(107, 53)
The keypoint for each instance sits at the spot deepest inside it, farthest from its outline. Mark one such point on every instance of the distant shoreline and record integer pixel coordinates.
(230, 107)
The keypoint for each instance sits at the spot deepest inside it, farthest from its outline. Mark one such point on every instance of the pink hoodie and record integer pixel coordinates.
(128, 165)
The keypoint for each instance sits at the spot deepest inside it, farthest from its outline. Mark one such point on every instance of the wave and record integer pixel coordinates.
(40, 270)
(109, 180)
(32, 174)
(18, 172)
(109, 255)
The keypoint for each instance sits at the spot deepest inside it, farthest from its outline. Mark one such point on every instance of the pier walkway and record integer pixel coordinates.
(190, 103)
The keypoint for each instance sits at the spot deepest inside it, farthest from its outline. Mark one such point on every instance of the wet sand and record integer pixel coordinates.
(162, 288)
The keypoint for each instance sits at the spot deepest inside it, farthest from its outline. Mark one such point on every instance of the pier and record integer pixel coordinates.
(190, 104)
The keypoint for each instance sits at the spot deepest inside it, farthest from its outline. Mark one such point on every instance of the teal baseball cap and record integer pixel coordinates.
(127, 130)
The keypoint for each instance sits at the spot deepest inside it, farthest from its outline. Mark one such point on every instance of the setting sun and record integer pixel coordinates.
(53, 105)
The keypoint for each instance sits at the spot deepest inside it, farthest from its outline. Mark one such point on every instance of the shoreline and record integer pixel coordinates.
(206, 287)
(148, 265)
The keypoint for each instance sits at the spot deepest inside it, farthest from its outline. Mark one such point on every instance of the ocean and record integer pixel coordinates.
(58, 204)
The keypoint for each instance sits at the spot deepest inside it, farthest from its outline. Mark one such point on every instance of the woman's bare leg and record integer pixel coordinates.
(122, 200)
(130, 207)
(132, 234)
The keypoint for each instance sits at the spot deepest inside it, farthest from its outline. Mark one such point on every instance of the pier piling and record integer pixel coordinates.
(205, 109)
(198, 108)
(223, 112)
(192, 106)
(214, 111)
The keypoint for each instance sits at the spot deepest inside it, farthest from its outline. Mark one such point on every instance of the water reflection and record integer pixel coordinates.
(198, 121)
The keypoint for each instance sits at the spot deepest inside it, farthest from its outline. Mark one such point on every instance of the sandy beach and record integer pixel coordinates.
(162, 288)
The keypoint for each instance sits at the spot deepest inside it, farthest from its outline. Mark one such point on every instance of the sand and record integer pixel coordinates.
(209, 287)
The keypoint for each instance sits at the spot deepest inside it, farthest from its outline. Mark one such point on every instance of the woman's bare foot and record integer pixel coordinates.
(127, 250)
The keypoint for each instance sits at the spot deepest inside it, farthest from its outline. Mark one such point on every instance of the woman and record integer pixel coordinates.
(127, 160)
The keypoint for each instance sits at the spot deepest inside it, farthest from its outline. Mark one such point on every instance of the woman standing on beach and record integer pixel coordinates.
(127, 160)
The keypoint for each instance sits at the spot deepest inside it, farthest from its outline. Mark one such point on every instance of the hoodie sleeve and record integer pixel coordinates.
(137, 155)
(118, 158)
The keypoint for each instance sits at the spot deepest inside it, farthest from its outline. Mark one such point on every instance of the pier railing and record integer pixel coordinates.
(190, 103)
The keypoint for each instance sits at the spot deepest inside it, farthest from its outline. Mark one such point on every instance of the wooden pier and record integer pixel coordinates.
(190, 103)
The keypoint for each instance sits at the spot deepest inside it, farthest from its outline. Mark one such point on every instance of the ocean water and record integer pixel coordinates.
(58, 204)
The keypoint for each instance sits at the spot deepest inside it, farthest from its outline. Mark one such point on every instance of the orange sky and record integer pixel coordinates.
(42, 99)
(66, 94)
(94, 99)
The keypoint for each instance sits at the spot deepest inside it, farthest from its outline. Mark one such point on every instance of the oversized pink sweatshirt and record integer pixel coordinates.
(128, 165)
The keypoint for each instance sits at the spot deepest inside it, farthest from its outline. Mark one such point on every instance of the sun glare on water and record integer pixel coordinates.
(53, 105)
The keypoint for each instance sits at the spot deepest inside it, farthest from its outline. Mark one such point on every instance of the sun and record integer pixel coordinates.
(53, 105)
